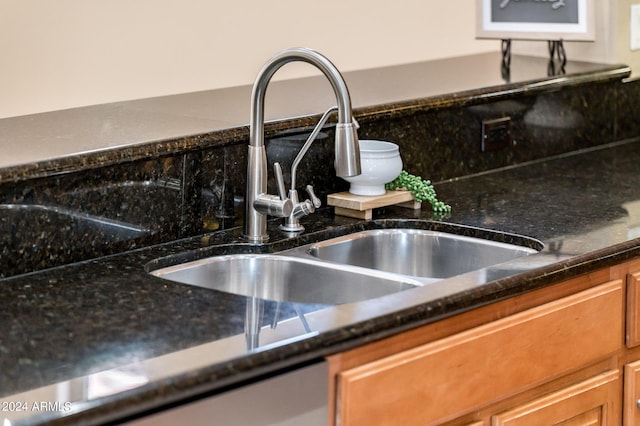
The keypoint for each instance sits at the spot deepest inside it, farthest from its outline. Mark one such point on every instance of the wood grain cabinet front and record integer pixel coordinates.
(442, 380)
(633, 310)
(592, 402)
(632, 394)
(631, 413)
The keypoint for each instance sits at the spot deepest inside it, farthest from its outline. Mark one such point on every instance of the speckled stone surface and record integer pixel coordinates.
(184, 185)
(102, 135)
(570, 181)
(98, 315)
(627, 122)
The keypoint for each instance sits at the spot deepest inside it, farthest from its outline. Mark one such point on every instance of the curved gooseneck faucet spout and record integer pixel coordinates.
(259, 204)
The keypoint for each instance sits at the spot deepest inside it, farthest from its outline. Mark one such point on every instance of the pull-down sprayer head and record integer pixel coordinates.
(347, 151)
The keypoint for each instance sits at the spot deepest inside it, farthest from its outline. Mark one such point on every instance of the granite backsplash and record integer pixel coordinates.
(99, 210)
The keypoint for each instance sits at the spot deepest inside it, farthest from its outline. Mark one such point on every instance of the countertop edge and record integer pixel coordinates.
(215, 378)
(225, 135)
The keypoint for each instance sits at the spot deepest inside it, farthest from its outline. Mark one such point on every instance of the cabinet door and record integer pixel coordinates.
(632, 394)
(592, 402)
(445, 379)
(633, 310)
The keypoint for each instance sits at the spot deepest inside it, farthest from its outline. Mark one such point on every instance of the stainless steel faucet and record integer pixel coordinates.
(259, 204)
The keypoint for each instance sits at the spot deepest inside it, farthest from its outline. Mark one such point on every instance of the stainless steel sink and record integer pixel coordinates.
(286, 279)
(356, 267)
(417, 252)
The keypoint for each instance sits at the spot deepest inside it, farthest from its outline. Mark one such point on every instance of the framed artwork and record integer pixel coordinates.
(571, 20)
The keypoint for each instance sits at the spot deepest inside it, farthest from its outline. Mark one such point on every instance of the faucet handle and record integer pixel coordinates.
(314, 199)
(282, 191)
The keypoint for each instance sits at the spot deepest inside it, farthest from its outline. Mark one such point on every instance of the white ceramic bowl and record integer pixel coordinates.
(381, 163)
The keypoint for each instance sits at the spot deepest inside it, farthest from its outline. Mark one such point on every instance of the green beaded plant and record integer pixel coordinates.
(421, 189)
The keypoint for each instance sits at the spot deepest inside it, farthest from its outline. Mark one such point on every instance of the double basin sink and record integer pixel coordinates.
(352, 268)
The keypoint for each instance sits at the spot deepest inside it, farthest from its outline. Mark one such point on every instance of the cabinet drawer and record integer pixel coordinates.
(633, 310)
(592, 402)
(443, 379)
(632, 394)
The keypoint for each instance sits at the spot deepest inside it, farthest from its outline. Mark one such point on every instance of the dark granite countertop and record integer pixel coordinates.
(104, 340)
(83, 138)
(78, 326)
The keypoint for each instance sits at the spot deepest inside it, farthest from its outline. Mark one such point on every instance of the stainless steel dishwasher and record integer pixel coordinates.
(298, 397)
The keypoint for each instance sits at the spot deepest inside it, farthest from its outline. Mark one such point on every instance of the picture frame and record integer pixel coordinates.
(567, 20)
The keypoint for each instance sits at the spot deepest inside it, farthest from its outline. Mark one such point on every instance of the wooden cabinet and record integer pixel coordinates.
(485, 363)
(632, 394)
(591, 402)
(552, 357)
(631, 413)
(633, 310)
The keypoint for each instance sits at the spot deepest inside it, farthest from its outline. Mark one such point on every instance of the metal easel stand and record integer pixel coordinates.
(556, 52)
(505, 66)
(557, 58)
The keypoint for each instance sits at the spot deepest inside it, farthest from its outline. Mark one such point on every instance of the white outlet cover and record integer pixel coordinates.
(635, 27)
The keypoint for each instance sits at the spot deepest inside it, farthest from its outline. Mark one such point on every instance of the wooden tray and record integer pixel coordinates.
(361, 207)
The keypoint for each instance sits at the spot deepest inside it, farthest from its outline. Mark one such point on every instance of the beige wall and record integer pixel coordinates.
(66, 53)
